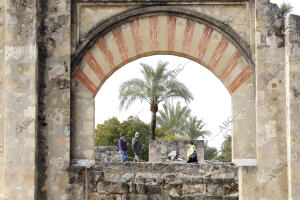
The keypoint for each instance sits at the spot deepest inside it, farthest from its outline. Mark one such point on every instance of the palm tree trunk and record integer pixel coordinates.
(153, 126)
(153, 109)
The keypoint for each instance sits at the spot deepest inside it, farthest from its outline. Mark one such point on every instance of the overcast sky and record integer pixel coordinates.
(212, 101)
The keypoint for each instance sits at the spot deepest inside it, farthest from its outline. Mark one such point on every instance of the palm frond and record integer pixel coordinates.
(157, 85)
(176, 89)
(172, 117)
(132, 90)
(193, 129)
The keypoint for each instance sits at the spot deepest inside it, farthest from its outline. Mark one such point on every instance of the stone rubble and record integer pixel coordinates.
(160, 181)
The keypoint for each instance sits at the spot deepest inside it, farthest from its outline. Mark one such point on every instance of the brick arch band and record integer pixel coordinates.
(164, 30)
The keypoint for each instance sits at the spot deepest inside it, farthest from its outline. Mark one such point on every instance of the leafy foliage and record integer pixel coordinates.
(171, 117)
(226, 149)
(192, 129)
(178, 120)
(210, 153)
(157, 85)
(285, 8)
(164, 133)
(107, 134)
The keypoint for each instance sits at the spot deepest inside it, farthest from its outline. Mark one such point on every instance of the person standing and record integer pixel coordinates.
(137, 147)
(192, 154)
(122, 146)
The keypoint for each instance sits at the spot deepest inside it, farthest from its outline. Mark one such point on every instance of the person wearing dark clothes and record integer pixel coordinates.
(192, 154)
(137, 147)
(122, 146)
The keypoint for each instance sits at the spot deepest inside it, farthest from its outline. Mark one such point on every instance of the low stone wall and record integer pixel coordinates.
(208, 180)
(159, 150)
(107, 154)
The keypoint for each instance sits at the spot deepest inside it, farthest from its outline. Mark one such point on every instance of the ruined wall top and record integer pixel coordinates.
(159, 150)
(166, 1)
(208, 180)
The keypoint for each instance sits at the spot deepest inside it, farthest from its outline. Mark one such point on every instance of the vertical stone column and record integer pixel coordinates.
(1, 93)
(243, 118)
(83, 107)
(54, 98)
(244, 138)
(83, 116)
(244, 126)
(20, 99)
(247, 183)
(292, 41)
(270, 103)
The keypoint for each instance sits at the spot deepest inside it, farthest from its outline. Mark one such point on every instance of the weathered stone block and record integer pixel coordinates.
(140, 188)
(153, 189)
(137, 197)
(160, 197)
(112, 187)
(192, 189)
(107, 153)
(159, 150)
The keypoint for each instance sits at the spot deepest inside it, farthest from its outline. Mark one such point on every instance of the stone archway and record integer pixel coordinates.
(196, 37)
(47, 123)
(166, 30)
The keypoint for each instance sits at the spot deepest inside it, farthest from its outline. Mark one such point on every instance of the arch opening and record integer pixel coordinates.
(165, 34)
(212, 102)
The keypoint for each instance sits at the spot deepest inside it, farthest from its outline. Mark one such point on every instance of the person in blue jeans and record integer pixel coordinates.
(122, 146)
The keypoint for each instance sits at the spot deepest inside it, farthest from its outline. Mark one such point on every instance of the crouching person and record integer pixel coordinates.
(192, 154)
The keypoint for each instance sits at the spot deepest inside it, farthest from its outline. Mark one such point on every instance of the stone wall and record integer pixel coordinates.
(91, 14)
(107, 154)
(53, 139)
(209, 180)
(19, 96)
(293, 88)
(159, 150)
(77, 183)
(271, 105)
(2, 51)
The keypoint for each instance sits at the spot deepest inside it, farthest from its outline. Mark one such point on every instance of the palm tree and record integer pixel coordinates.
(172, 117)
(157, 86)
(210, 153)
(226, 154)
(192, 129)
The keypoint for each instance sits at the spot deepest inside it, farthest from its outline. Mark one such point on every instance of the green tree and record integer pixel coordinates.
(192, 129)
(210, 153)
(130, 127)
(157, 85)
(108, 133)
(285, 8)
(163, 133)
(172, 116)
(226, 149)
